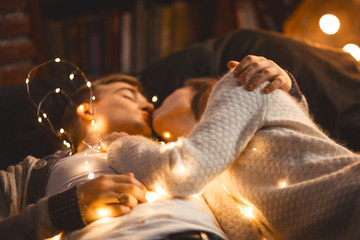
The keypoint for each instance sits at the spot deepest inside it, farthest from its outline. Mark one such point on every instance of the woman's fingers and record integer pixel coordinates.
(253, 71)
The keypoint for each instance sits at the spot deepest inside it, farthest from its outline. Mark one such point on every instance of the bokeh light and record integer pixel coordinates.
(329, 24)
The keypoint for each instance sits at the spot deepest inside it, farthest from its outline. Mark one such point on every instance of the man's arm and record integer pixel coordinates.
(50, 215)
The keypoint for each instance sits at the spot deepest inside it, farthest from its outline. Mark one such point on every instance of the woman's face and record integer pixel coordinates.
(175, 118)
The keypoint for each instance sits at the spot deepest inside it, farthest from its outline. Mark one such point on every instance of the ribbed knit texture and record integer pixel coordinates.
(244, 146)
(64, 210)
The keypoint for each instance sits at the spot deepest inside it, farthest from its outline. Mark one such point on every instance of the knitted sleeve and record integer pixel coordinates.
(184, 167)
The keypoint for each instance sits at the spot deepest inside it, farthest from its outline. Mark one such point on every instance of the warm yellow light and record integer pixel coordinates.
(93, 97)
(254, 149)
(152, 196)
(27, 81)
(57, 59)
(61, 130)
(81, 107)
(39, 119)
(103, 212)
(66, 143)
(353, 49)
(71, 76)
(167, 135)
(154, 99)
(91, 176)
(93, 123)
(88, 84)
(179, 169)
(329, 24)
(247, 212)
(282, 184)
(56, 237)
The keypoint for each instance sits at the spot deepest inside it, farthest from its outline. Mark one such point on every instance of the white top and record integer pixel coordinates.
(146, 221)
(275, 174)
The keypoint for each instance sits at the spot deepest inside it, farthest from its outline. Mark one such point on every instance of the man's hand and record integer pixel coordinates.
(109, 196)
(252, 71)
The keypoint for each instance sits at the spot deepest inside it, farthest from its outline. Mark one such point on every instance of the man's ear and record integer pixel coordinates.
(83, 112)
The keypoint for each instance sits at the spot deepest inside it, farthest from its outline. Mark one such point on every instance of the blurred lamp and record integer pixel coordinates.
(329, 24)
(353, 49)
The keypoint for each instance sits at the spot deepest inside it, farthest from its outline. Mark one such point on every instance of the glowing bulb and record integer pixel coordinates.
(81, 107)
(88, 84)
(254, 149)
(44, 115)
(39, 119)
(71, 76)
(353, 49)
(167, 135)
(329, 24)
(282, 184)
(154, 99)
(152, 196)
(91, 176)
(57, 59)
(93, 123)
(103, 212)
(247, 212)
(57, 90)
(61, 130)
(93, 97)
(86, 162)
(56, 237)
(180, 169)
(27, 81)
(66, 143)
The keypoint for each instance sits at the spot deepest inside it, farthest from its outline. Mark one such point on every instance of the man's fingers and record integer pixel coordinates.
(128, 178)
(127, 200)
(115, 210)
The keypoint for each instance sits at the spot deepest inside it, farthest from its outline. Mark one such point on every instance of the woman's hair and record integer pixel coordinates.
(203, 87)
(82, 95)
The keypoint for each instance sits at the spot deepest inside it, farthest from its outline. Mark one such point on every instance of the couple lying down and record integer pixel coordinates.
(263, 167)
(260, 163)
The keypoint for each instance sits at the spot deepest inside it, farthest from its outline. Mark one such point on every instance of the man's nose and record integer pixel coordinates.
(148, 107)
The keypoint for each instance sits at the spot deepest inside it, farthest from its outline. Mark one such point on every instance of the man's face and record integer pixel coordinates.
(122, 108)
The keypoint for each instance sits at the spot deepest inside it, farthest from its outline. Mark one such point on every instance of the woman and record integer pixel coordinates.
(265, 169)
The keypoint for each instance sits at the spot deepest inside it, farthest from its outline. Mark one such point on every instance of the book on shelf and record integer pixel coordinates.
(245, 14)
(95, 47)
(126, 42)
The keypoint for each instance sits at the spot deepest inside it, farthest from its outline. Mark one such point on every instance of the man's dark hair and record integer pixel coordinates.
(203, 87)
(82, 95)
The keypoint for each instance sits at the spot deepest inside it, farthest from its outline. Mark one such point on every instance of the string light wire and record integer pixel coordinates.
(42, 115)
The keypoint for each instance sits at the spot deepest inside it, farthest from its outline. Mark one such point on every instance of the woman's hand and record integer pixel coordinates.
(252, 71)
(109, 196)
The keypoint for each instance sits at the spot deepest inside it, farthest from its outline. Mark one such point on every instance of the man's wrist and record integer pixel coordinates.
(64, 210)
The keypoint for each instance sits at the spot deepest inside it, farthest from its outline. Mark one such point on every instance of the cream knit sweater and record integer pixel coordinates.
(265, 169)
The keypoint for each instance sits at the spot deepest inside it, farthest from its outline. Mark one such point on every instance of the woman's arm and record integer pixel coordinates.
(183, 168)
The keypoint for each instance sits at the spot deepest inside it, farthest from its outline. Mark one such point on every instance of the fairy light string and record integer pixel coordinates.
(42, 116)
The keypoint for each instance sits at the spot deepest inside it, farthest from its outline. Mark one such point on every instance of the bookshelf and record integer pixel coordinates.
(123, 36)
(117, 36)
